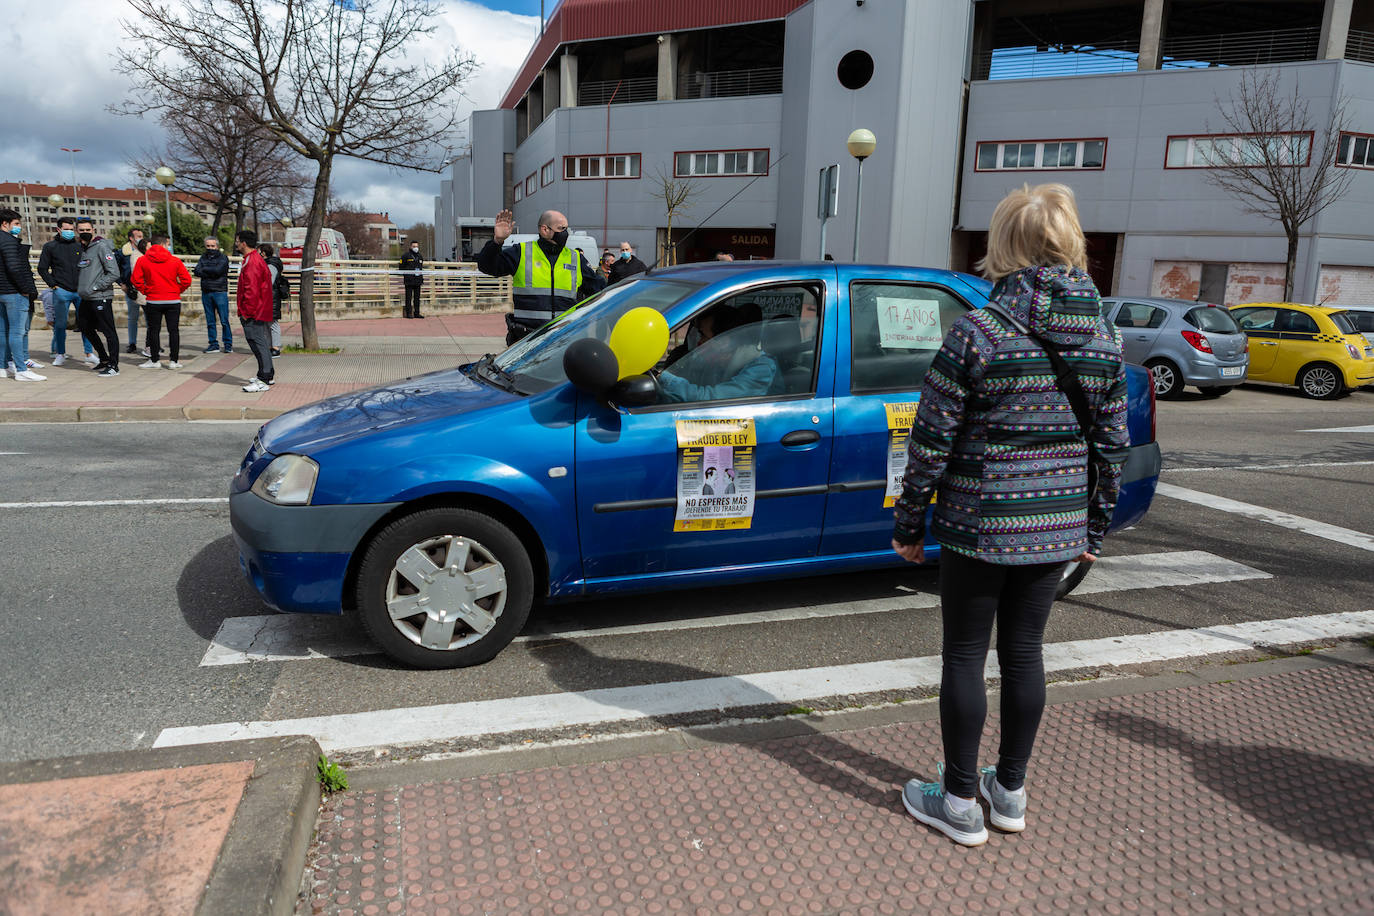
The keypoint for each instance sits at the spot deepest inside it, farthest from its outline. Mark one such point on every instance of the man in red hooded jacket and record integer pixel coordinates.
(161, 277)
(254, 302)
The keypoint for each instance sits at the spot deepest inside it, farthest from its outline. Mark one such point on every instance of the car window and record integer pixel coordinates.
(1257, 319)
(895, 331)
(1207, 318)
(1107, 305)
(1296, 322)
(1363, 321)
(535, 363)
(1343, 323)
(1139, 315)
(758, 343)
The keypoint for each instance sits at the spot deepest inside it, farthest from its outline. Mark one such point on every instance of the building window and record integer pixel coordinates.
(530, 185)
(519, 186)
(620, 165)
(1208, 151)
(1027, 155)
(546, 174)
(721, 163)
(1356, 150)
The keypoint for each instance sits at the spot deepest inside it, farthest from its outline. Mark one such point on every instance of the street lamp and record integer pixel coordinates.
(56, 201)
(76, 198)
(166, 177)
(861, 144)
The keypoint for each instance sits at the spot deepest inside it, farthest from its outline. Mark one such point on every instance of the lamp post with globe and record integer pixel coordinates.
(861, 144)
(166, 177)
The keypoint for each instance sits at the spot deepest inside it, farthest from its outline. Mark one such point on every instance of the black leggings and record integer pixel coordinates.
(154, 313)
(96, 318)
(972, 594)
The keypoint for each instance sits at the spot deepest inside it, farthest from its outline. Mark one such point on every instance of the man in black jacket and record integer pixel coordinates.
(412, 264)
(57, 268)
(627, 265)
(213, 271)
(547, 277)
(17, 292)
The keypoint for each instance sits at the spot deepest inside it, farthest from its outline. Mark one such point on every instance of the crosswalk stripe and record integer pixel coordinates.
(387, 727)
(295, 637)
(1345, 536)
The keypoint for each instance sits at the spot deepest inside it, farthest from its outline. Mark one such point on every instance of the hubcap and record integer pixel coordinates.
(1164, 378)
(1319, 382)
(446, 593)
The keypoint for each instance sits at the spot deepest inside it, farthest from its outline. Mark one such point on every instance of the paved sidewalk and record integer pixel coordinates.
(373, 352)
(1250, 792)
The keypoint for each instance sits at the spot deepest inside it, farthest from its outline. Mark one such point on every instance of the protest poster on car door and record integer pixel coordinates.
(715, 474)
(900, 416)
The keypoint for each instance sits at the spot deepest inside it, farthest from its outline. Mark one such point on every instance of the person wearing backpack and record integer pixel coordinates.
(998, 437)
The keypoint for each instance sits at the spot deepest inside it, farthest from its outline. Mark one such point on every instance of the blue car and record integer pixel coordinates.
(767, 443)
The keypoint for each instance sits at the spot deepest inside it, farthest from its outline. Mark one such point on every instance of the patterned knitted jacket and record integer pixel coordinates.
(999, 439)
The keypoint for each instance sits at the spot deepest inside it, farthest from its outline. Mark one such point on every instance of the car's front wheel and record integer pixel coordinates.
(445, 588)
(1168, 381)
(1321, 380)
(1074, 574)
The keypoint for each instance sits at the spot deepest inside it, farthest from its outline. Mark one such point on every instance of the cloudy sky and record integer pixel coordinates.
(61, 78)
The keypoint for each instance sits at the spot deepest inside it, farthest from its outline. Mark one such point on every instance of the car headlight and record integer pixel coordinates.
(289, 480)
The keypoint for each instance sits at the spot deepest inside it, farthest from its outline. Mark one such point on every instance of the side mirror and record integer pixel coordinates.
(591, 366)
(634, 391)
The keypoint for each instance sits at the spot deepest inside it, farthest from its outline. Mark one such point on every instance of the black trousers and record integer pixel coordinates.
(153, 314)
(412, 302)
(259, 337)
(973, 594)
(96, 317)
(517, 328)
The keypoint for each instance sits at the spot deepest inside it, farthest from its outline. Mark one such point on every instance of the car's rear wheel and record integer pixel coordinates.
(1166, 378)
(1074, 574)
(1216, 391)
(1322, 381)
(445, 588)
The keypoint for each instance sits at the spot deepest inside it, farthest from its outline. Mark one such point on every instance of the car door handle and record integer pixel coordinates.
(1269, 343)
(800, 437)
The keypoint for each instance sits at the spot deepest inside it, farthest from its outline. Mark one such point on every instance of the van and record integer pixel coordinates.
(332, 245)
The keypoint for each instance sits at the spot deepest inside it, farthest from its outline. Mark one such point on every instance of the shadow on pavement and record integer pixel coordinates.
(211, 589)
(1315, 799)
(820, 757)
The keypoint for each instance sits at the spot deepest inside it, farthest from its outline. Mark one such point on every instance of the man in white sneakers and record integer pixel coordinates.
(17, 293)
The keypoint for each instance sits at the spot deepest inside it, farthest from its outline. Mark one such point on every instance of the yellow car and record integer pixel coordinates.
(1316, 348)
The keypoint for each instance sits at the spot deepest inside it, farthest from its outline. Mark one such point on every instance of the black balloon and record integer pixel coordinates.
(635, 391)
(591, 366)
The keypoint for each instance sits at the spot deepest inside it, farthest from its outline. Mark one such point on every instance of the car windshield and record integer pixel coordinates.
(1343, 323)
(535, 363)
(1213, 319)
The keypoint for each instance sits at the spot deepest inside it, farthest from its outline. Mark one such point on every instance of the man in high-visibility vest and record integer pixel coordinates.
(547, 277)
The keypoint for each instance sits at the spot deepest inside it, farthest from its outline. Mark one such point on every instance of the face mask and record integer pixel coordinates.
(16, 231)
(560, 238)
(626, 255)
(87, 236)
(414, 251)
(67, 234)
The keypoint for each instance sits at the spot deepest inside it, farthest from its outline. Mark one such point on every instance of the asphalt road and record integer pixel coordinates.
(108, 611)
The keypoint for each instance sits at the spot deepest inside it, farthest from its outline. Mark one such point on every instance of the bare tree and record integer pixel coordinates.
(678, 196)
(1276, 160)
(326, 77)
(351, 220)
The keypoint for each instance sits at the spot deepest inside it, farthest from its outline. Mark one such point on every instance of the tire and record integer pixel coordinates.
(1216, 391)
(1322, 381)
(1166, 378)
(438, 560)
(1074, 574)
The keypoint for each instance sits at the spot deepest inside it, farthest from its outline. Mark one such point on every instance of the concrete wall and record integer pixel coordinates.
(493, 135)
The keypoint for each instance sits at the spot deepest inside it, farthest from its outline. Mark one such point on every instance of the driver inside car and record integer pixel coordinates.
(720, 360)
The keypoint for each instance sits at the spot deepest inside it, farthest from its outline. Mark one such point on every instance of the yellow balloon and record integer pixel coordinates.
(639, 340)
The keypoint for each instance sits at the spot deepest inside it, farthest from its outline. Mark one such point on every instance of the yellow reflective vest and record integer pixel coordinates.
(540, 289)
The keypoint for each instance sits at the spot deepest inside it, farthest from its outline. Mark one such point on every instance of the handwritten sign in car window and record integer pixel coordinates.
(909, 324)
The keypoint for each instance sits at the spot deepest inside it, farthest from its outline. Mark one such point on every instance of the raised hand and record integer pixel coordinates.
(505, 225)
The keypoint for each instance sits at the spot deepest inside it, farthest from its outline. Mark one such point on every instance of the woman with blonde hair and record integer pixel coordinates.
(1023, 406)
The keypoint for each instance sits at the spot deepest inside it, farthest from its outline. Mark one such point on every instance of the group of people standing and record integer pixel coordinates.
(82, 270)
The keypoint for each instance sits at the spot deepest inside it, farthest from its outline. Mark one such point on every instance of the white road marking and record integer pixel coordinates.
(13, 453)
(1271, 467)
(1315, 528)
(85, 503)
(351, 731)
(1341, 429)
(293, 637)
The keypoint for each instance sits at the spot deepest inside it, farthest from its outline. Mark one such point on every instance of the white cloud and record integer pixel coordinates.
(62, 76)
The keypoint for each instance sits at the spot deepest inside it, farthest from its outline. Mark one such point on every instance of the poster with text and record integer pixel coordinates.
(715, 474)
(899, 419)
(909, 324)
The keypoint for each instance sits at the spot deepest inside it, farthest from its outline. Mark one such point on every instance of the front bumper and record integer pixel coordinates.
(296, 557)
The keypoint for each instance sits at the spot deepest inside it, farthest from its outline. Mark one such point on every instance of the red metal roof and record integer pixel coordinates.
(588, 20)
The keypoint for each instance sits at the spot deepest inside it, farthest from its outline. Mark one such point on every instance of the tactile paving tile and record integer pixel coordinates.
(1254, 796)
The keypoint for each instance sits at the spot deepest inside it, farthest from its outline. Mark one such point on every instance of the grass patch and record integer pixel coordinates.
(331, 776)
(799, 711)
(1305, 651)
(1227, 681)
(296, 348)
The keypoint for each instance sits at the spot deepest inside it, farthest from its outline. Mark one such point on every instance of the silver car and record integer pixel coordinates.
(1181, 343)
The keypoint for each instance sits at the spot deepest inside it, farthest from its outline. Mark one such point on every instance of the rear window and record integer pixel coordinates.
(1212, 319)
(1343, 323)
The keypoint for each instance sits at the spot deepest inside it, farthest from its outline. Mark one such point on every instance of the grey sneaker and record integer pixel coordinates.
(1006, 809)
(926, 802)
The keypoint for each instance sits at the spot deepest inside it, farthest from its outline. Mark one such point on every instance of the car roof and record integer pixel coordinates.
(715, 271)
(1160, 300)
(1296, 306)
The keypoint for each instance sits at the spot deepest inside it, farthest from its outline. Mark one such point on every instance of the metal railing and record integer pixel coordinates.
(1236, 49)
(721, 83)
(1056, 60)
(638, 89)
(1360, 46)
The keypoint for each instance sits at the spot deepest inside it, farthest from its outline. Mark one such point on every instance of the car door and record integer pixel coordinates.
(1139, 325)
(1259, 325)
(635, 481)
(894, 328)
(1298, 343)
